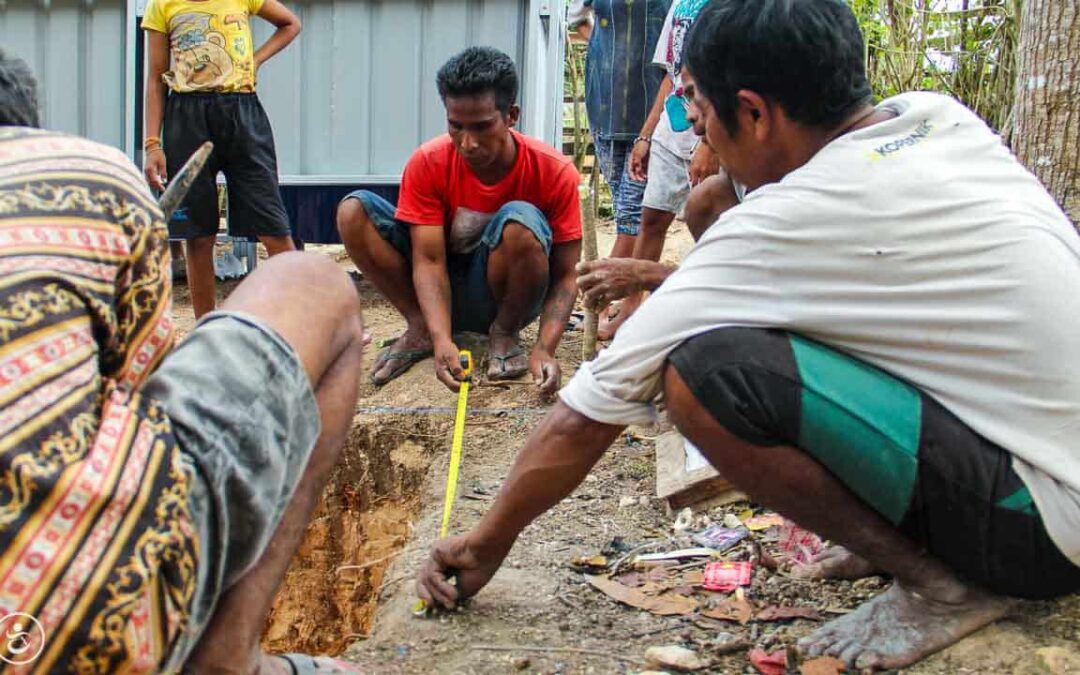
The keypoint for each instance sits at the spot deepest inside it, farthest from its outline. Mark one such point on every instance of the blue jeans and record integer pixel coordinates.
(473, 306)
(626, 193)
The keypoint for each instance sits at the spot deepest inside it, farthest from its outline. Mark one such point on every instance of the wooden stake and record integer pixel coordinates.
(588, 254)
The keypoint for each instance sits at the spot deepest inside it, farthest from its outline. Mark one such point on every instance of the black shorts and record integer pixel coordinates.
(243, 151)
(900, 451)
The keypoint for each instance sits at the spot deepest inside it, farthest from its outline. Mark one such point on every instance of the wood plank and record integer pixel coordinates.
(681, 488)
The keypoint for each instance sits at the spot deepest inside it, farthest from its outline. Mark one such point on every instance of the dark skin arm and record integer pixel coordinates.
(556, 458)
(157, 62)
(558, 304)
(432, 285)
(288, 27)
(603, 281)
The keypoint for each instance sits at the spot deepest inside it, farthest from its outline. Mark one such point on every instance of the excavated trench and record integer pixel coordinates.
(330, 593)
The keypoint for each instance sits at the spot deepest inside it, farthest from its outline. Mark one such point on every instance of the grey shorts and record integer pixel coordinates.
(245, 415)
(668, 184)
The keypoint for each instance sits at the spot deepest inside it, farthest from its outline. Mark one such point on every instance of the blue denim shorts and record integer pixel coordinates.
(473, 305)
(245, 415)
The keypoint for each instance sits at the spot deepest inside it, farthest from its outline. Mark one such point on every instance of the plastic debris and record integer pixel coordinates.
(727, 576)
(720, 538)
(675, 555)
(769, 664)
(764, 522)
(675, 658)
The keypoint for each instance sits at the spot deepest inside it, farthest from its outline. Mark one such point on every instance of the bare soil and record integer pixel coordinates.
(350, 589)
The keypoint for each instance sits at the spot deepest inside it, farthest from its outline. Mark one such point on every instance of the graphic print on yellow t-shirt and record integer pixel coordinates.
(209, 42)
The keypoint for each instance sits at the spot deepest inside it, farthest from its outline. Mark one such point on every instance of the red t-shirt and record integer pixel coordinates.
(438, 188)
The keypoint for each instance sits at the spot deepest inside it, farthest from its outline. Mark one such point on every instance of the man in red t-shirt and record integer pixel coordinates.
(485, 235)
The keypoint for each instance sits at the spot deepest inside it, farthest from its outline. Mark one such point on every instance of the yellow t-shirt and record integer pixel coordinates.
(209, 41)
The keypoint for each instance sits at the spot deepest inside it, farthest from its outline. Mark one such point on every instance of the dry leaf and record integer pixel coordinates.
(674, 657)
(825, 665)
(737, 608)
(662, 605)
(631, 579)
(694, 578)
(593, 563)
(774, 613)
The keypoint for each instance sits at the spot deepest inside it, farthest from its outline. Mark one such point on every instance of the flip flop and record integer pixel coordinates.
(406, 359)
(305, 664)
(501, 359)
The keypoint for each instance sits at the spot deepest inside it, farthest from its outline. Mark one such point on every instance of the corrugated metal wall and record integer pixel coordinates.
(355, 94)
(77, 50)
(349, 100)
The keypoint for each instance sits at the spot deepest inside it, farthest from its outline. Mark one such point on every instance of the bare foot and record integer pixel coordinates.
(835, 562)
(413, 346)
(627, 306)
(900, 627)
(506, 358)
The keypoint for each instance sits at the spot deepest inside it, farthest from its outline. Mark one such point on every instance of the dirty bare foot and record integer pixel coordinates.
(835, 562)
(506, 358)
(413, 346)
(900, 627)
(606, 330)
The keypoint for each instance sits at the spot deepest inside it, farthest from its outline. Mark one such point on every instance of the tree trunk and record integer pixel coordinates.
(1045, 130)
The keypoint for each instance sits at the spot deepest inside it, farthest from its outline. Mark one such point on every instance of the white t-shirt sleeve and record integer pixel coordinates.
(662, 56)
(724, 281)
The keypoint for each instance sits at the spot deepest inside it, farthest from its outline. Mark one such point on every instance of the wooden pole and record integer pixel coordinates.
(588, 254)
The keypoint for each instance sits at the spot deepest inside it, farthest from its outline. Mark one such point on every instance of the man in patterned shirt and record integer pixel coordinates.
(150, 501)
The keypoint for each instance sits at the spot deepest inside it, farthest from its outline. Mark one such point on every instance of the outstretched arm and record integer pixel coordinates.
(556, 458)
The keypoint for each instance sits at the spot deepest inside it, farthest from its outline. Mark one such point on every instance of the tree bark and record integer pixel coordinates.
(1045, 129)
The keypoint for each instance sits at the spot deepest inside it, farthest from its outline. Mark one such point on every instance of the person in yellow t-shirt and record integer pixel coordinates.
(201, 53)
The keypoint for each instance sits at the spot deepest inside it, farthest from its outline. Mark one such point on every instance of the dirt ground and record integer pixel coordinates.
(350, 589)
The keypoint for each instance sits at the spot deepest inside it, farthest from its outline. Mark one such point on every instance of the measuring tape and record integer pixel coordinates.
(421, 607)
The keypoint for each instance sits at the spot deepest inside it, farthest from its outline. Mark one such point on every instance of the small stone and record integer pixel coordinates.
(521, 663)
(684, 521)
(643, 500)
(674, 657)
(626, 501)
(591, 478)
(1058, 660)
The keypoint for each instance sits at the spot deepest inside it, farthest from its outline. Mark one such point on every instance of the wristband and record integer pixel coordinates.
(643, 138)
(151, 142)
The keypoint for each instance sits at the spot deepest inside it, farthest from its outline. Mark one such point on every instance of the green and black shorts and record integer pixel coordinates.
(899, 450)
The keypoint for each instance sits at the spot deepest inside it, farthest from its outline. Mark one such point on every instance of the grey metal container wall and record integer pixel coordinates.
(352, 98)
(349, 100)
(81, 52)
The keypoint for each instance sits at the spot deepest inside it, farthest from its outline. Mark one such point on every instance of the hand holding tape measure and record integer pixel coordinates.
(422, 608)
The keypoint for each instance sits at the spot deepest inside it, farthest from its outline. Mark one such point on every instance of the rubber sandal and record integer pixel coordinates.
(501, 359)
(305, 664)
(406, 359)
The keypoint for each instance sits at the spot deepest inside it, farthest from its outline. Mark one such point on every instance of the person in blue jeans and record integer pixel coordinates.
(620, 87)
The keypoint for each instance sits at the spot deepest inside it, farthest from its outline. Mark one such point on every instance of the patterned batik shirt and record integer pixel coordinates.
(96, 538)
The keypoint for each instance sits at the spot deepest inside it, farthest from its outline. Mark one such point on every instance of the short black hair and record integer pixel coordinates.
(478, 71)
(18, 93)
(805, 55)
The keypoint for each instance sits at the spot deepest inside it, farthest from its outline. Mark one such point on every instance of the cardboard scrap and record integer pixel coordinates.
(666, 604)
(825, 665)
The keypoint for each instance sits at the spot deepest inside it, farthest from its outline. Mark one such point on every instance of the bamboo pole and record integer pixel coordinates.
(588, 254)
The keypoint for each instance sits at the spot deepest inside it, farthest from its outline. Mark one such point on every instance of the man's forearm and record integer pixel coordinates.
(556, 458)
(433, 293)
(653, 274)
(557, 307)
(653, 118)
